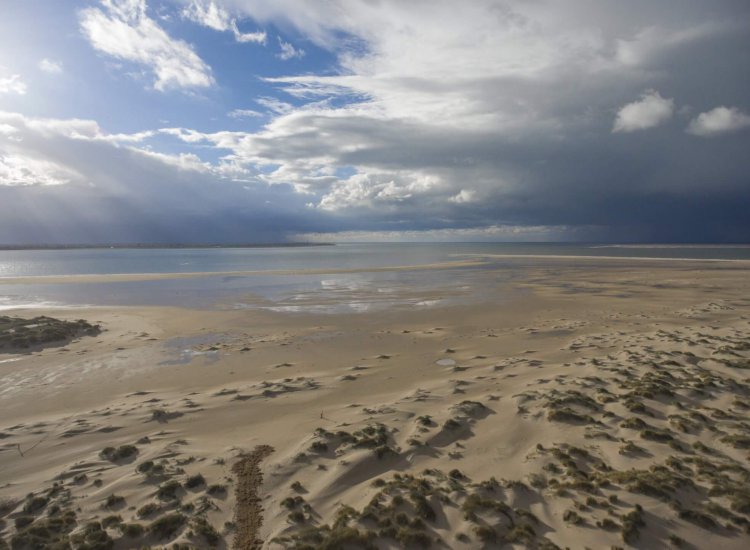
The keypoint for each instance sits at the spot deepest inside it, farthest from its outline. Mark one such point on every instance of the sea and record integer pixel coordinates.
(307, 279)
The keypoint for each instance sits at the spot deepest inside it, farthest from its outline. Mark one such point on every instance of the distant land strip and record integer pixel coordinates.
(153, 246)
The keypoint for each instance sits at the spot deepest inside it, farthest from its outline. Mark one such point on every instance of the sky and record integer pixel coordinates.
(240, 121)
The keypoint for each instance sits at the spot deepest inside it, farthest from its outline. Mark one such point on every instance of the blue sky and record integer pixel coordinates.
(92, 83)
(245, 121)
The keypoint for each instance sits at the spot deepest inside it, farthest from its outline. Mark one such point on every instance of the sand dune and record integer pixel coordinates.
(601, 408)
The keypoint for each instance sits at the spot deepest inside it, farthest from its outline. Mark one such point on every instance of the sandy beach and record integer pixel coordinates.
(605, 404)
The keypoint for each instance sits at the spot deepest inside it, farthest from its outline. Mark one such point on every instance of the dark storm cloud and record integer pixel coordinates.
(536, 147)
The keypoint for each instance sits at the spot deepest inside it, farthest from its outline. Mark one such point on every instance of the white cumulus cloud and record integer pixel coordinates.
(22, 170)
(244, 113)
(649, 111)
(215, 17)
(12, 85)
(288, 51)
(51, 67)
(720, 120)
(123, 29)
(463, 196)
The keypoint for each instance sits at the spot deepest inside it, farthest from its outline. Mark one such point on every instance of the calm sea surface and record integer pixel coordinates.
(343, 256)
(334, 292)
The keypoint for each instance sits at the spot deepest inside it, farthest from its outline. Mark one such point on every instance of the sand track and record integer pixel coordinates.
(248, 512)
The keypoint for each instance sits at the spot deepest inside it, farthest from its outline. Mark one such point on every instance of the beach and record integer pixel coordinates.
(374, 275)
(598, 402)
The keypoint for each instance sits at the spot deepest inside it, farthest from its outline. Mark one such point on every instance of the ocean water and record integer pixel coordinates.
(22, 263)
(337, 290)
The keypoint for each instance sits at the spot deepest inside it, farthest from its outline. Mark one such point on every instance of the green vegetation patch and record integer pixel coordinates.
(123, 452)
(17, 333)
(49, 532)
(404, 513)
(166, 526)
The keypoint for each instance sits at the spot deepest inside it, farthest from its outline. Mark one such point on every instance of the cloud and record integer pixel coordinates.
(275, 105)
(490, 233)
(380, 190)
(424, 120)
(67, 180)
(12, 85)
(649, 111)
(123, 29)
(50, 67)
(288, 51)
(244, 113)
(650, 43)
(136, 137)
(215, 17)
(502, 115)
(21, 170)
(464, 196)
(718, 121)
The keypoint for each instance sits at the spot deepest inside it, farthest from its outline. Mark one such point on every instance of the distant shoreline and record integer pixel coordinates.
(468, 260)
(156, 246)
(717, 245)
